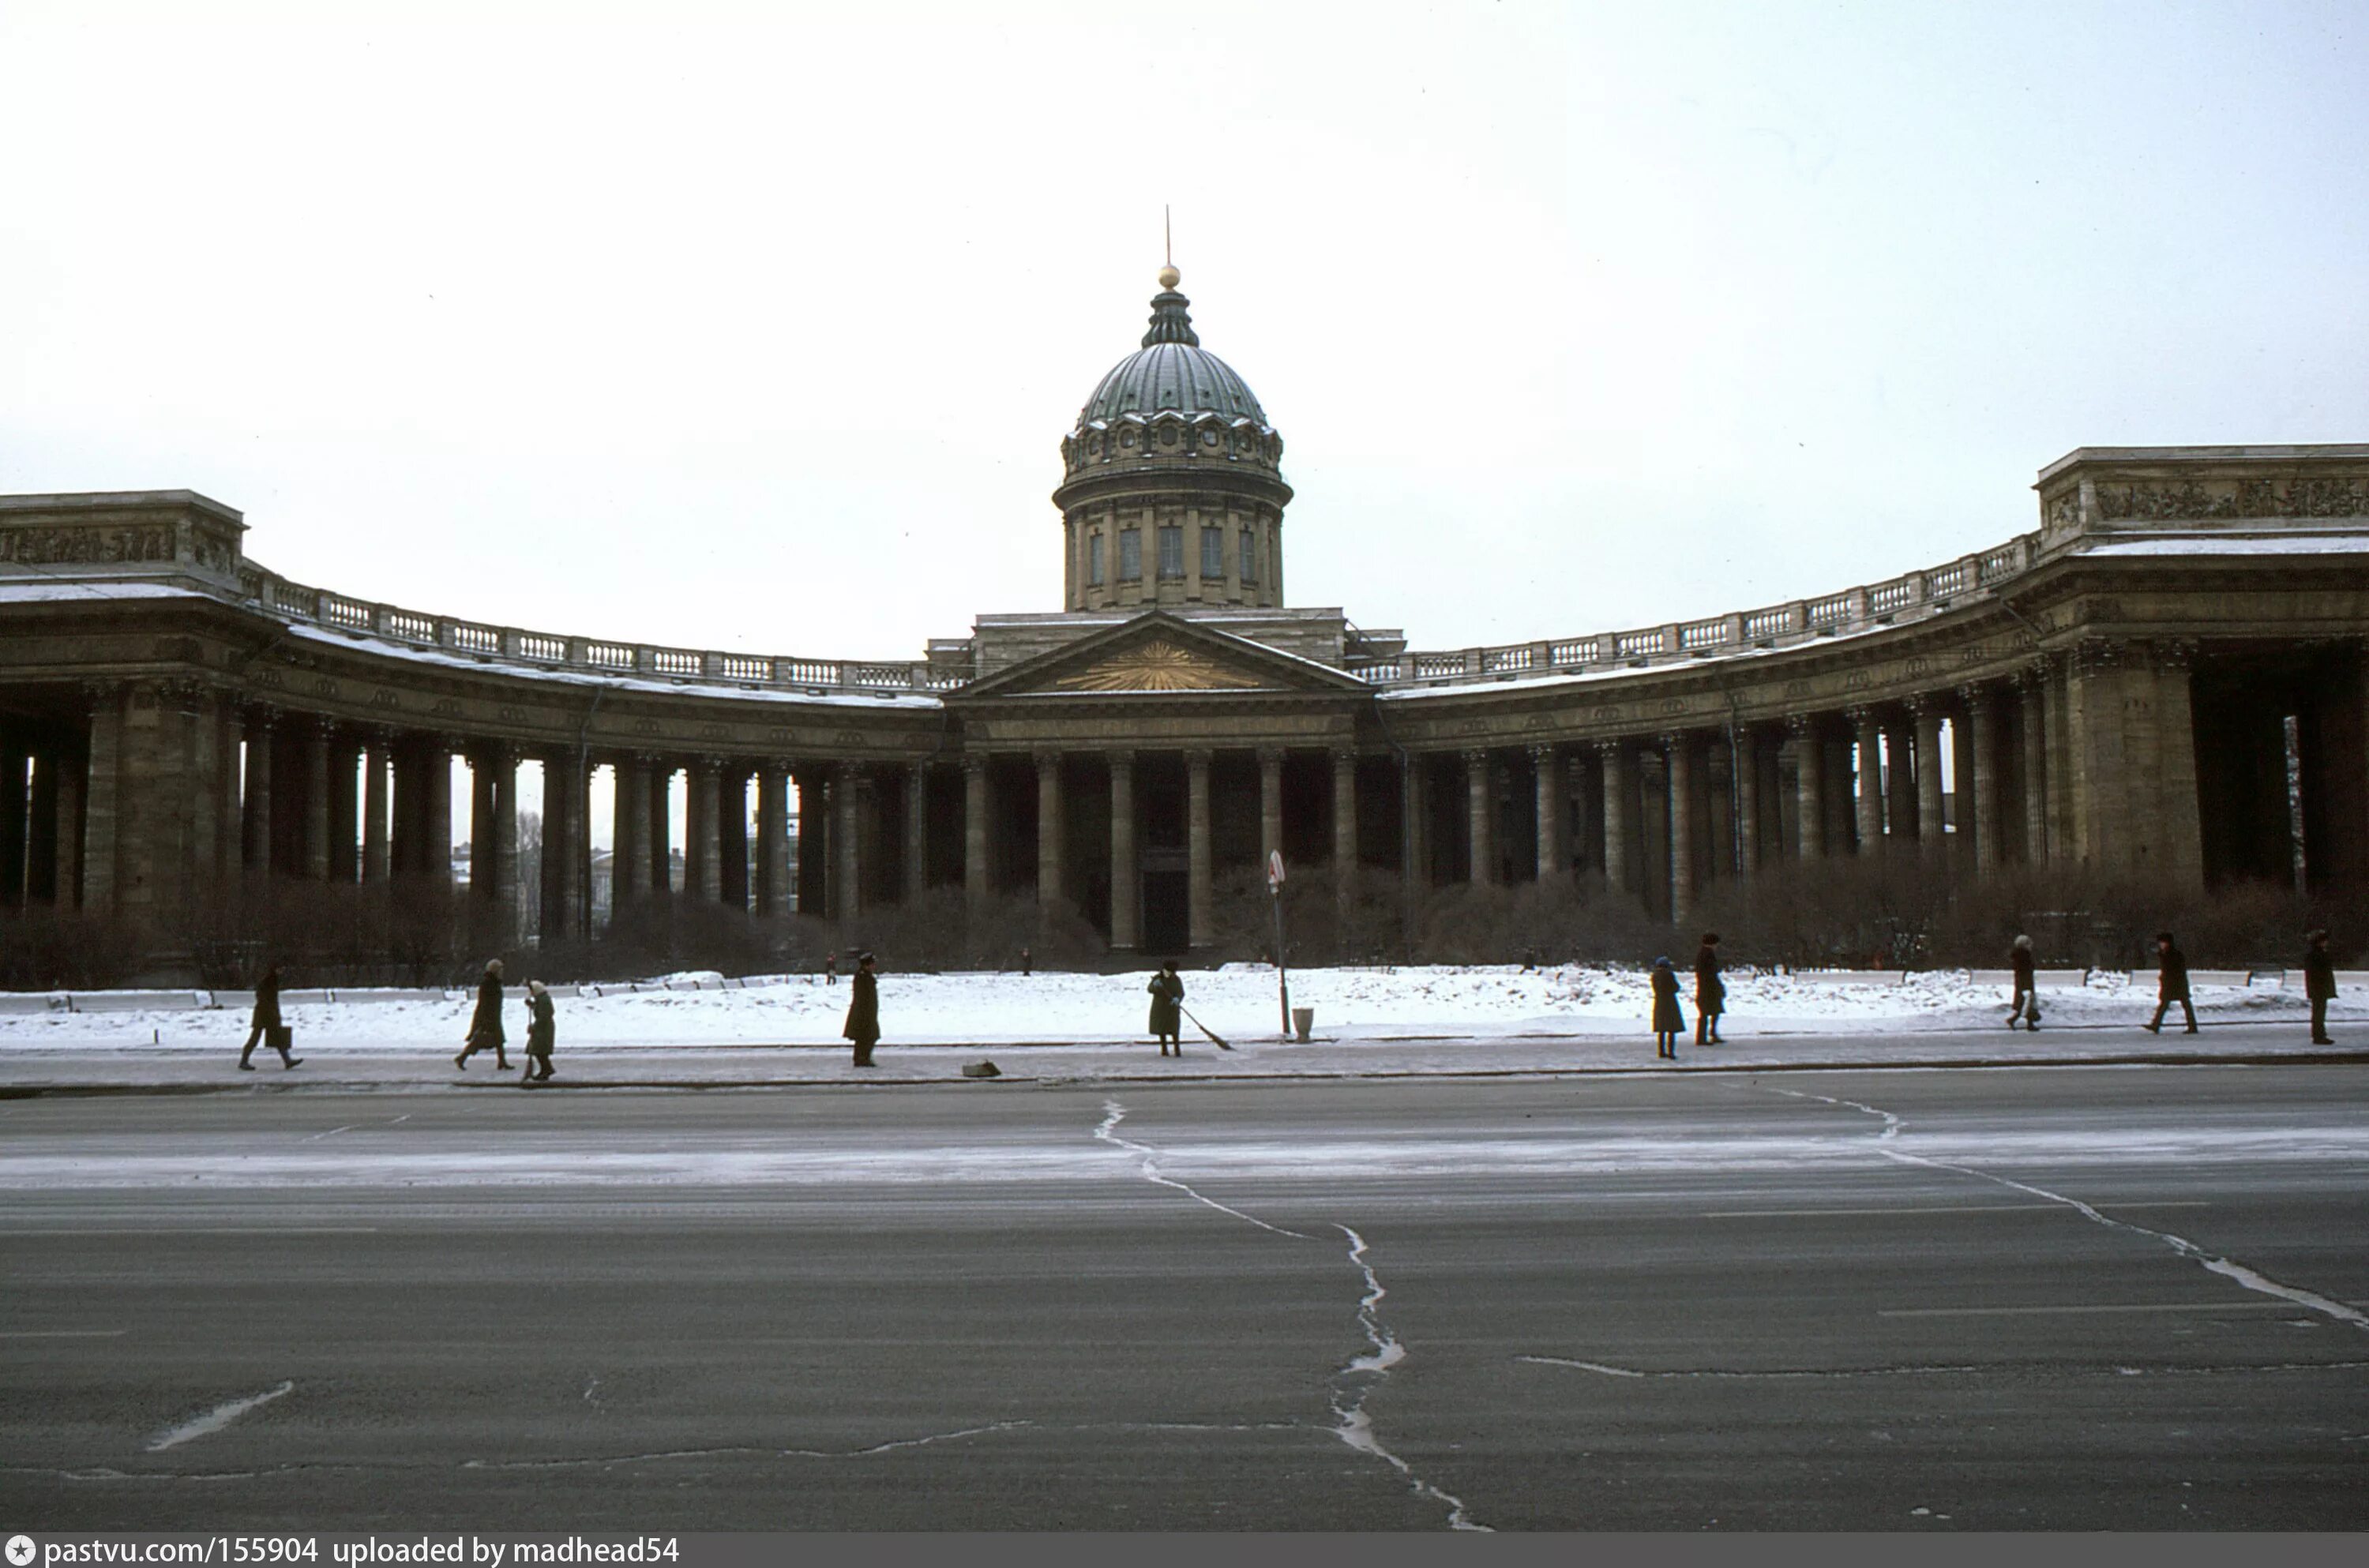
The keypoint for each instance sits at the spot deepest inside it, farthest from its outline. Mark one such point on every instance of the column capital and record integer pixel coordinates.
(1609, 750)
(2036, 670)
(2100, 653)
(1122, 760)
(1476, 756)
(2174, 653)
(974, 765)
(1048, 759)
(1541, 752)
(1198, 758)
(1860, 713)
(1977, 696)
(1801, 726)
(1270, 756)
(1342, 756)
(1920, 703)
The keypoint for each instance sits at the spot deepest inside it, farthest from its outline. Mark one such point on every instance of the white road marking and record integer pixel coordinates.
(215, 1420)
(2249, 1278)
(2036, 1311)
(1906, 1209)
(38, 1231)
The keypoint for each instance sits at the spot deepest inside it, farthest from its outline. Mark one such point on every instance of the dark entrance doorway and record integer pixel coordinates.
(1167, 887)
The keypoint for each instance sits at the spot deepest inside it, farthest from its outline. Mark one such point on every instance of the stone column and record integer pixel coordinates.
(732, 835)
(256, 831)
(1414, 833)
(339, 780)
(1049, 830)
(1199, 881)
(374, 802)
(563, 848)
(1931, 835)
(1981, 743)
(1901, 825)
(229, 855)
(976, 892)
(1270, 766)
(629, 835)
(104, 799)
(1809, 785)
(1962, 758)
(1616, 767)
(2174, 840)
(2031, 686)
(1344, 835)
(16, 809)
(1126, 899)
(917, 831)
(436, 780)
(2063, 842)
(1744, 769)
(1546, 771)
(847, 865)
(316, 802)
(660, 837)
(1679, 750)
(1868, 797)
(1480, 812)
(772, 840)
(703, 871)
(72, 778)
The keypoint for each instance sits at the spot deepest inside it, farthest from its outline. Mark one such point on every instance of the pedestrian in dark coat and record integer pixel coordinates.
(2170, 983)
(542, 1028)
(265, 1025)
(2025, 1003)
(1711, 991)
(486, 1024)
(864, 1012)
(1668, 1022)
(2318, 985)
(1167, 1006)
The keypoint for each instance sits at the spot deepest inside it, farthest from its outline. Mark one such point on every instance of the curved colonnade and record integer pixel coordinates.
(2157, 683)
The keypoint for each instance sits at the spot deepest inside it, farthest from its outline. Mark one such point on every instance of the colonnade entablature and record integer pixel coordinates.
(2127, 688)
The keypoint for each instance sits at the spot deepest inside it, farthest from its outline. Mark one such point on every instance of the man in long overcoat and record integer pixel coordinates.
(2170, 983)
(1167, 1003)
(1711, 991)
(486, 1024)
(864, 1012)
(265, 1026)
(2318, 985)
(2025, 1003)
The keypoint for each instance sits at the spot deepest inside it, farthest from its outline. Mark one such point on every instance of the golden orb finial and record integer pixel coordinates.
(1169, 277)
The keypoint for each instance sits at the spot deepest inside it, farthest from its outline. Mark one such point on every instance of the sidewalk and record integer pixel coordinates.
(346, 1066)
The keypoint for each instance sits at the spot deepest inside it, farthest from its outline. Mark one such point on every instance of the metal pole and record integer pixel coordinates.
(1282, 977)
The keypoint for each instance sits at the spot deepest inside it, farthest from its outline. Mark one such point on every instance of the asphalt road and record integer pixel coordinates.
(2063, 1298)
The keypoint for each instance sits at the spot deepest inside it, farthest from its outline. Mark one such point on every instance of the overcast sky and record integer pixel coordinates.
(758, 327)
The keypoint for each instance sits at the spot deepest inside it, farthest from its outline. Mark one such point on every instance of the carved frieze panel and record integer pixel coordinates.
(55, 546)
(2193, 501)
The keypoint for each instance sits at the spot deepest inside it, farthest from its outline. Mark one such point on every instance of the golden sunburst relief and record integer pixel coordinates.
(1157, 667)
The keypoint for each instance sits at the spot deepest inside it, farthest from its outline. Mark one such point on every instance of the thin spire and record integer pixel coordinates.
(1169, 276)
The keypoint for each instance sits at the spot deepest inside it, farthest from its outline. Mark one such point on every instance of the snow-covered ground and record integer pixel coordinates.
(1239, 1003)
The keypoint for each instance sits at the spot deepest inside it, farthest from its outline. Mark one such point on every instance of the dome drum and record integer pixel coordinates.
(1172, 432)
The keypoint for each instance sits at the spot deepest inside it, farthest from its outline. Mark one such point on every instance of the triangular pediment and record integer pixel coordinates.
(1157, 654)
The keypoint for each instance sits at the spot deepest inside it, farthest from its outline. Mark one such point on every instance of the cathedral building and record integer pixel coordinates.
(2128, 686)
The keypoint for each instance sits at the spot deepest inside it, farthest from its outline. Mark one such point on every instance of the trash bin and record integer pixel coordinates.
(1303, 1019)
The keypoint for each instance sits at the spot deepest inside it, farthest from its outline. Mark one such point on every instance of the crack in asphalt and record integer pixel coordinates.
(2250, 1278)
(1352, 1423)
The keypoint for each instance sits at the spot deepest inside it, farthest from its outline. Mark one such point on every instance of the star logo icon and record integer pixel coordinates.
(20, 1550)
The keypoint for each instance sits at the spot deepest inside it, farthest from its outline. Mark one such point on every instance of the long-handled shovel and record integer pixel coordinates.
(1205, 1029)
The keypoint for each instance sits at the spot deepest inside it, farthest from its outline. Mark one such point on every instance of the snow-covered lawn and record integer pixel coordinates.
(1237, 1001)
